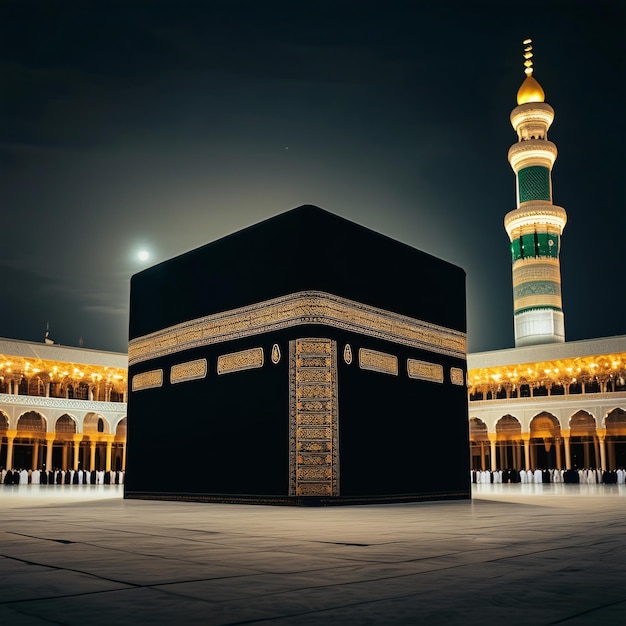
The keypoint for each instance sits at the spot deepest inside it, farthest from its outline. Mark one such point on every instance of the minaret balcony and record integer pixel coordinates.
(532, 152)
(533, 213)
(532, 113)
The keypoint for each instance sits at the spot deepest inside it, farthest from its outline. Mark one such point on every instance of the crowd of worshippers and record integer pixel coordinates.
(61, 477)
(571, 476)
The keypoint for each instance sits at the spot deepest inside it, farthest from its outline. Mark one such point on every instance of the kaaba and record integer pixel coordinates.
(304, 360)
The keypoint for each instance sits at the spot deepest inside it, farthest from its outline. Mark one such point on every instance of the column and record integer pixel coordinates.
(77, 439)
(596, 452)
(492, 440)
(124, 457)
(109, 441)
(559, 461)
(482, 455)
(92, 455)
(35, 462)
(11, 434)
(526, 441)
(49, 448)
(601, 437)
(611, 450)
(568, 457)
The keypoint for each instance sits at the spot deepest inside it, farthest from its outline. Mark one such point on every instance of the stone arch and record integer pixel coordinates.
(95, 423)
(583, 442)
(582, 422)
(509, 443)
(66, 424)
(120, 429)
(479, 444)
(4, 426)
(36, 386)
(615, 422)
(544, 424)
(545, 441)
(29, 444)
(118, 452)
(31, 421)
(508, 427)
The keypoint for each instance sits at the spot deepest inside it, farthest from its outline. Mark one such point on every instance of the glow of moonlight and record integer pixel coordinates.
(143, 255)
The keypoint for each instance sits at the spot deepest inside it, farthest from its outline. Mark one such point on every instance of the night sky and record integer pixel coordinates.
(166, 125)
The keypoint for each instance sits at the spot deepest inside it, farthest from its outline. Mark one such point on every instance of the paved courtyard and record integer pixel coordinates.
(515, 554)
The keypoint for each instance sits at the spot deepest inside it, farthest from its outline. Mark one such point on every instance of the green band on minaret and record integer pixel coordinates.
(534, 183)
(535, 245)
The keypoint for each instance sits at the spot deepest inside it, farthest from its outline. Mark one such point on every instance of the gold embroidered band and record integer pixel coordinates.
(306, 307)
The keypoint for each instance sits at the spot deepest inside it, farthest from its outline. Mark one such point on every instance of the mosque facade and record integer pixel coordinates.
(545, 404)
(61, 407)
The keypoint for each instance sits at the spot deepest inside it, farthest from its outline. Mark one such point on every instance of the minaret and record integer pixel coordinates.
(535, 227)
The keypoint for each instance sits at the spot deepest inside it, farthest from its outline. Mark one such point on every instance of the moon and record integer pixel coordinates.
(143, 255)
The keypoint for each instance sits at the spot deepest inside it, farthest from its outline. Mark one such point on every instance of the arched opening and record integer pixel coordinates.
(479, 444)
(584, 444)
(545, 442)
(28, 448)
(94, 427)
(509, 443)
(118, 454)
(4, 426)
(63, 449)
(615, 423)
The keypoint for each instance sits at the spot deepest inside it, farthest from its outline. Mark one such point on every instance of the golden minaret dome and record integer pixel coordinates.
(530, 91)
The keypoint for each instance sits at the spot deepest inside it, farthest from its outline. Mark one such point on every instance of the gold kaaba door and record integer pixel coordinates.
(313, 418)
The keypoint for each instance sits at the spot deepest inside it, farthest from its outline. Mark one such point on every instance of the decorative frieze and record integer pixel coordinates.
(307, 307)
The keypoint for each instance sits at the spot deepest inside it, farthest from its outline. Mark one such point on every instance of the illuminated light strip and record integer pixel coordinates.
(302, 308)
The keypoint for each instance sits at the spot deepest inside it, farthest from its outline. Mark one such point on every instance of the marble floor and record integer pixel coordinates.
(515, 554)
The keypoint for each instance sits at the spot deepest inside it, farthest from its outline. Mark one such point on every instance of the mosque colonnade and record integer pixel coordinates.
(561, 435)
(61, 433)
